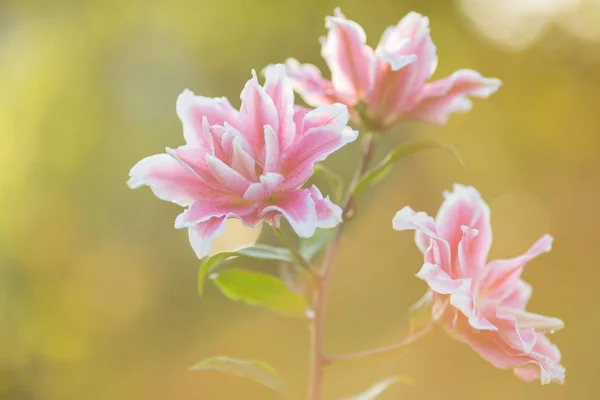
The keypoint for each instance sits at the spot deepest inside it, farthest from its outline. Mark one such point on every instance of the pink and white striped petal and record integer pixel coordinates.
(348, 57)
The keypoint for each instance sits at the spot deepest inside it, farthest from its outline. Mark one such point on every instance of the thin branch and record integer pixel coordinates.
(383, 351)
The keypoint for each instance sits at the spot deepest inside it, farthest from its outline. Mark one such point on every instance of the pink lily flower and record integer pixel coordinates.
(390, 83)
(483, 303)
(249, 164)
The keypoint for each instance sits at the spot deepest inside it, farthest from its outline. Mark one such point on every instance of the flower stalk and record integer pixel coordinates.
(318, 358)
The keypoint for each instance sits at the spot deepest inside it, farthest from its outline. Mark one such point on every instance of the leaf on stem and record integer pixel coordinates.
(420, 313)
(258, 289)
(311, 246)
(335, 182)
(377, 173)
(257, 370)
(259, 251)
(374, 391)
(294, 277)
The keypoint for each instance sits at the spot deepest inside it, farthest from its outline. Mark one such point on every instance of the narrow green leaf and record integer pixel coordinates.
(262, 290)
(420, 313)
(259, 251)
(374, 391)
(313, 245)
(294, 277)
(257, 370)
(377, 173)
(334, 181)
(266, 252)
(210, 264)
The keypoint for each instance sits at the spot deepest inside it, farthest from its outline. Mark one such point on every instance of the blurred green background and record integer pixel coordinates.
(98, 291)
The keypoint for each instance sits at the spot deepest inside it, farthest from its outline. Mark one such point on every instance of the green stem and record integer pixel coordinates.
(318, 357)
(383, 351)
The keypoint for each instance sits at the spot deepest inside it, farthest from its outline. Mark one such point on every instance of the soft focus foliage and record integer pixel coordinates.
(98, 296)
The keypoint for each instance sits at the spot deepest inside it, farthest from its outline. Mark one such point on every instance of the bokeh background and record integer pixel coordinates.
(98, 291)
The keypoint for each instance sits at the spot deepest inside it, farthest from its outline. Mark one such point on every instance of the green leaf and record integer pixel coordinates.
(374, 391)
(258, 289)
(377, 173)
(313, 245)
(420, 313)
(210, 264)
(294, 277)
(335, 182)
(266, 252)
(259, 251)
(257, 370)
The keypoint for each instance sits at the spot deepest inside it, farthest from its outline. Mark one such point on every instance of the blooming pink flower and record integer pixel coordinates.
(249, 164)
(390, 83)
(482, 303)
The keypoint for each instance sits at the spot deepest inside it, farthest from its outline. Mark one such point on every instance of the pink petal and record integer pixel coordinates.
(527, 320)
(548, 368)
(202, 235)
(438, 280)
(465, 207)
(526, 337)
(167, 178)
(272, 158)
(465, 249)
(328, 214)
(541, 363)
(241, 161)
(257, 110)
(192, 109)
(519, 297)
(325, 133)
(299, 114)
(348, 57)
(194, 160)
(441, 98)
(204, 210)
(261, 191)
(278, 86)
(308, 82)
(229, 179)
(545, 364)
(534, 370)
(502, 276)
(298, 207)
(224, 138)
(411, 36)
(404, 59)
(334, 116)
(428, 240)
(478, 320)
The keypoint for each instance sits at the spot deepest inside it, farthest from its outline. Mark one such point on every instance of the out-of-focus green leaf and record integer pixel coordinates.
(258, 289)
(335, 181)
(311, 246)
(374, 391)
(294, 277)
(257, 370)
(377, 173)
(259, 251)
(420, 312)
(266, 252)
(208, 265)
